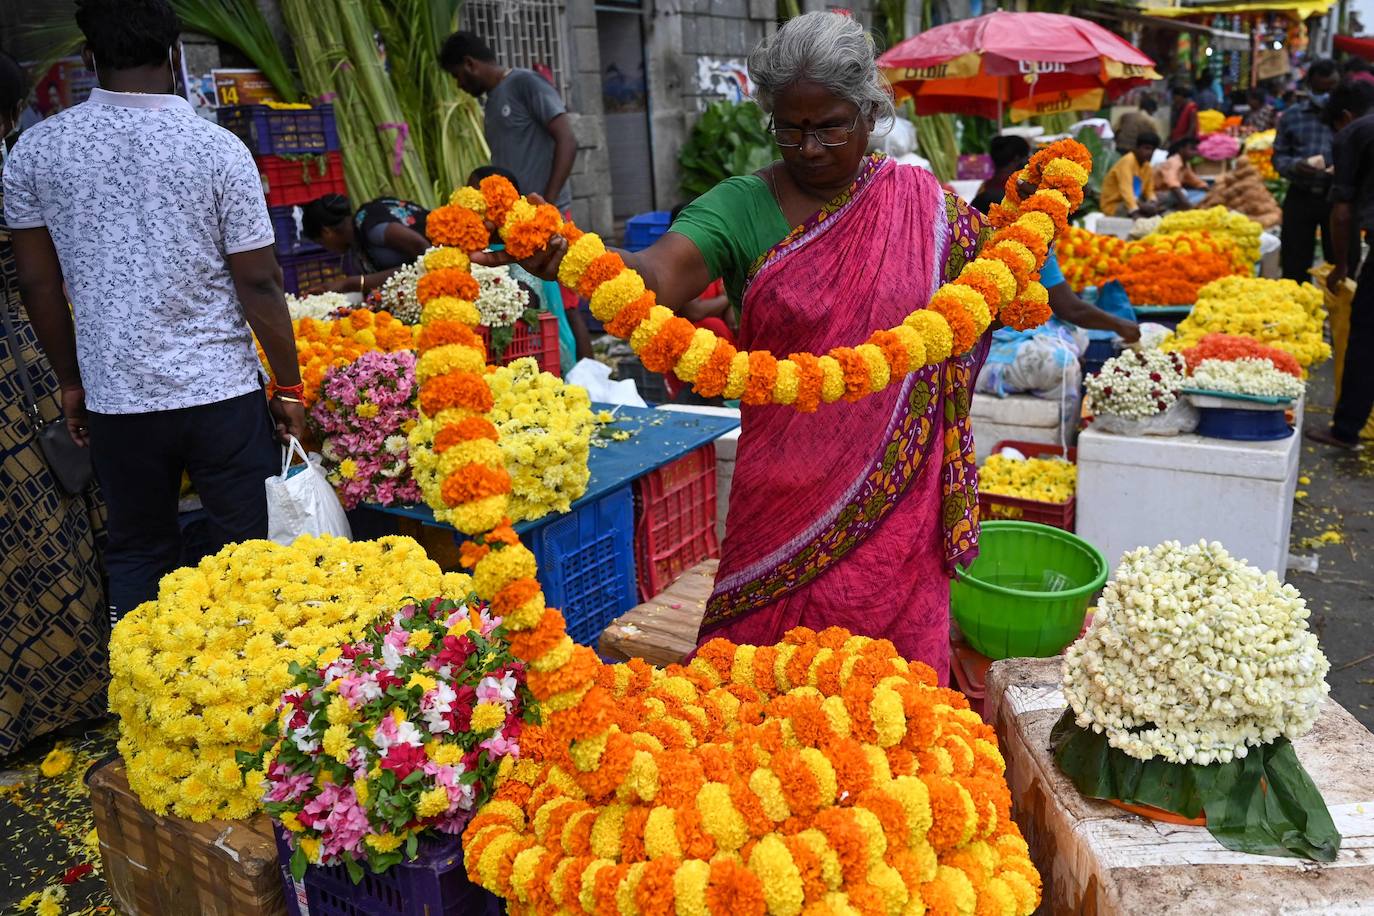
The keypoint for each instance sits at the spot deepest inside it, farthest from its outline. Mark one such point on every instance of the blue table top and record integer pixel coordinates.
(657, 438)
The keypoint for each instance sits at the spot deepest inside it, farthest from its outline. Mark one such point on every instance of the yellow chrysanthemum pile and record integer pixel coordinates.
(197, 673)
(1046, 480)
(545, 431)
(1220, 222)
(1280, 313)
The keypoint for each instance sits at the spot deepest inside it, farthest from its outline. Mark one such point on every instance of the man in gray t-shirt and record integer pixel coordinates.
(526, 123)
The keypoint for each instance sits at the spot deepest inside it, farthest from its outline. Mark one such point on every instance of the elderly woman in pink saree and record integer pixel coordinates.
(856, 515)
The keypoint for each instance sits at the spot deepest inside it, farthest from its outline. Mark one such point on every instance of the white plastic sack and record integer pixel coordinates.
(1045, 366)
(899, 140)
(596, 378)
(302, 501)
(1181, 417)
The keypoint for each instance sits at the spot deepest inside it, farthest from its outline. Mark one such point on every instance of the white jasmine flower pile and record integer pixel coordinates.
(1138, 383)
(398, 293)
(502, 300)
(318, 306)
(1248, 375)
(1195, 657)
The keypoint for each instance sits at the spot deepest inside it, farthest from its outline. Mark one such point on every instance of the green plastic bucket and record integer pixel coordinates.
(1027, 593)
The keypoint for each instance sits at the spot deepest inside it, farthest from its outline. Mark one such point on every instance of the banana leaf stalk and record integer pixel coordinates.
(445, 122)
(338, 60)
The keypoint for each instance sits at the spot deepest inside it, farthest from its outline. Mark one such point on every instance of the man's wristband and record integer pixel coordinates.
(292, 393)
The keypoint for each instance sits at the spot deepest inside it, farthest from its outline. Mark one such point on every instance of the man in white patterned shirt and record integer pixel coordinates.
(155, 221)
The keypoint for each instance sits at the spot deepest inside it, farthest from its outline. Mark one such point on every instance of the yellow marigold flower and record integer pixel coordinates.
(698, 351)
(879, 372)
(432, 803)
(384, 842)
(367, 410)
(689, 887)
(772, 864)
(451, 308)
(719, 818)
(935, 334)
(832, 379)
(471, 198)
(650, 326)
(995, 271)
(580, 254)
(739, 377)
(487, 716)
(290, 821)
(420, 639)
(660, 834)
(337, 743)
(58, 761)
(423, 681)
(616, 293)
(787, 382)
(348, 468)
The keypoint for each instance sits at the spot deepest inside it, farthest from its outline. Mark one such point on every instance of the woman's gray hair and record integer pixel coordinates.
(832, 49)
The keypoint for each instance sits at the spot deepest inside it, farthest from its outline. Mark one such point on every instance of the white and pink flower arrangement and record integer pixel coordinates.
(393, 739)
(1137, 384)
(364, 416)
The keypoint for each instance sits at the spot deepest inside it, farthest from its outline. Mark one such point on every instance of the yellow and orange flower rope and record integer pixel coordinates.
(822, 775)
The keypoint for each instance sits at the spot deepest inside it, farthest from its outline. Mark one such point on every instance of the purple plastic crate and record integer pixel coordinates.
(302, 271)
(434, 884)
(289, 239)
(282, 132)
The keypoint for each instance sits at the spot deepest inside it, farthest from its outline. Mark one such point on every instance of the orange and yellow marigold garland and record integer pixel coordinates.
(822, 775)
(1001, 282)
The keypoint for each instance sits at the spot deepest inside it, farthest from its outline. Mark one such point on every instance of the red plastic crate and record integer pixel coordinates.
(541, 343)
(1056, 515)
(301, 179)
(675, 520)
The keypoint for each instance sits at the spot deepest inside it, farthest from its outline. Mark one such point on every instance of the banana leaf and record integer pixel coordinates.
(1264, 804)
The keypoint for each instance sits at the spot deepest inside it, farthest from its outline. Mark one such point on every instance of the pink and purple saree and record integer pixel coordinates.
(856, 515)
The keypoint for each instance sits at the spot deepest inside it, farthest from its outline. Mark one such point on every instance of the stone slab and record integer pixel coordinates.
(1097, 859)
(663, 630)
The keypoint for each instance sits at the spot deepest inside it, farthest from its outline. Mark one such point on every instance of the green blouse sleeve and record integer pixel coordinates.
(732, 225)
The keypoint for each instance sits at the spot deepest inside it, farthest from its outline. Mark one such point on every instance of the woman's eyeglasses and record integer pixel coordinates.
(793, 137)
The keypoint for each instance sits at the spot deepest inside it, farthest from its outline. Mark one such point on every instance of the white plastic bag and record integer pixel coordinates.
(301, 500)
(1181, 417)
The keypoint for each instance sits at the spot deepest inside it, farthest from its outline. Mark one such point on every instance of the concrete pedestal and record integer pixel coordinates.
(1096, 858)
(1138, 491)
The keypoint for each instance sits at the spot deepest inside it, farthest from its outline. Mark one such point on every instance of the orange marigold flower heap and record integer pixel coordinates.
(683, 780)
(1001, 282)
(1171, 269)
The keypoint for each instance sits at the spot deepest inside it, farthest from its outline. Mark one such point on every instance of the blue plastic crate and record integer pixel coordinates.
(433, 884)
(300, 272)
(282, 132)
(643, 230)
(587, 564)
(1243, 425)
(285, 228)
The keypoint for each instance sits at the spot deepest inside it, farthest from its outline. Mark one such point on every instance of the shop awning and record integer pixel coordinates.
(1301, 9)
(1360, 47)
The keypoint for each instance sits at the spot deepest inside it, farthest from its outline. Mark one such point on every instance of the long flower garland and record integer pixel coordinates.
(1001, 281)
(824, 773)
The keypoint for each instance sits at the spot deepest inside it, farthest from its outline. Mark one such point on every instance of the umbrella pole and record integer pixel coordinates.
(999, 106)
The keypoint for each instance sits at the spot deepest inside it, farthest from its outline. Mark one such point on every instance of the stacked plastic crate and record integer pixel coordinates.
(297, 151)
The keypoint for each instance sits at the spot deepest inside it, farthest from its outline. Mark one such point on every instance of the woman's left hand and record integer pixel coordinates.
(543, 264)
(335, 286)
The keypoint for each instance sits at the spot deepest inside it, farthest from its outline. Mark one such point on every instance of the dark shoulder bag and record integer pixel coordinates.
(70, 463)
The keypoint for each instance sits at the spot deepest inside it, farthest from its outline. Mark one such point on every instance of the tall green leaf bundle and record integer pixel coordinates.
(729, 139)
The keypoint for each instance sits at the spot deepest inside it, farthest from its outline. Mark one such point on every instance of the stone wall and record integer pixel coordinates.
(591, 174)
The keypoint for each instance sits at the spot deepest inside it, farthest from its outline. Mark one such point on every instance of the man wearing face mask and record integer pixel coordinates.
(1302, 154)
(155, 222)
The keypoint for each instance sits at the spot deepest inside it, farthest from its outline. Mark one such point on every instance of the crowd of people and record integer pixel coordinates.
(151, 370)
